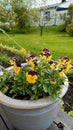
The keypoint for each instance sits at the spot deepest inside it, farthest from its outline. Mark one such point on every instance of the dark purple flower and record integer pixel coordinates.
(32, 73)
(14, 58)
(35, 62)
(51, 62)
(32, 56)
(46, 50)
(28, 58)
(65, 58)
(18, 64)
(46, 54)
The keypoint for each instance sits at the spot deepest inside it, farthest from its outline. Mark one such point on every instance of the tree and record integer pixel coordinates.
(70, 12)
(24, 12)
(42, 18)
(69, 28)
(7, 15)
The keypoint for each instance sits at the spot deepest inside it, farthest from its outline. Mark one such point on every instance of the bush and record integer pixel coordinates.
(5, 28)
(69, 28)
(62, 28)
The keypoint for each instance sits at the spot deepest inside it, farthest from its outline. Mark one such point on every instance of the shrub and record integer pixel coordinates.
(69, 28)
(5, 28)
(62, 28)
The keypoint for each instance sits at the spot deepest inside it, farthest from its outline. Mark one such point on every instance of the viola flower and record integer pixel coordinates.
(31, 77)
(30, 58)
(53, 81)
(61, 72)
(16, 69)
(14, 58)
(18, 64)
(33, 56)
(23, 50)
(45, 50)
(64, 60)
(68, 62)
(46, 56)
(12, 62)
(54, 64)
(51, 62)
(67, 68)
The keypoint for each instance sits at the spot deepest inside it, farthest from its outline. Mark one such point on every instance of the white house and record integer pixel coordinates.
(53, 14)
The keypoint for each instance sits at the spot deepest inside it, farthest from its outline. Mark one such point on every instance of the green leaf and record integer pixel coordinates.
(5, 89)
(45, 88)
(34, 87)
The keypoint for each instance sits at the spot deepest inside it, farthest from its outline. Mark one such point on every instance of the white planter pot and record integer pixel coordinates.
(31, 115)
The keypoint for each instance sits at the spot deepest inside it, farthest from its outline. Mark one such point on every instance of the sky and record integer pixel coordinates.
(49, 2)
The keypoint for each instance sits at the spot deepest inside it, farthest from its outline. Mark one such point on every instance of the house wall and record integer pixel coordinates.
(61, 15)
(55, 17)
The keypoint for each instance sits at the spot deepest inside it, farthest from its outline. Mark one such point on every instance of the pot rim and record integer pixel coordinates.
(28, 104)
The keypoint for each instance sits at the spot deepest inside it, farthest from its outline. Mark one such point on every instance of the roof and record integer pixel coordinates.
(64, 5)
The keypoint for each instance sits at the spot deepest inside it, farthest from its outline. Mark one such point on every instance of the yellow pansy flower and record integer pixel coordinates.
(16, 69)
(53, 81)
(23, 50)
(61, 73)
(31, 77)
(12, 62)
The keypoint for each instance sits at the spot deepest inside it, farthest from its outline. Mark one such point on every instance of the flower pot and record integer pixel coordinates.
(31, 115)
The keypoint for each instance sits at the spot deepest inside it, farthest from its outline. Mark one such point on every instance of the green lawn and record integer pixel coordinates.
(60, 44)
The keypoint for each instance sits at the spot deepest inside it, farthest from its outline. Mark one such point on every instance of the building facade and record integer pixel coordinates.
(55, 14)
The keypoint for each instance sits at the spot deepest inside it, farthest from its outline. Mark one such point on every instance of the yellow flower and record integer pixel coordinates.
(68, 62)
(12, 62)
(66, 70)
(16, 69)
(43, 57)
(49, 57)
(23, 50)
(31, 78)
(46, 56)
(61, 73)
(53, 81)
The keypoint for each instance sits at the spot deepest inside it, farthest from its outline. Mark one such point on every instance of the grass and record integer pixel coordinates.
(60, 44)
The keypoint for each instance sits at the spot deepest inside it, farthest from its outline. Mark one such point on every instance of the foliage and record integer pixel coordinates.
(41, 77)
(67, 108)
(67, 20)
(70, 12)
(70, 113)
(17, 13)
(22, 18)
(6, 53)
(62, 28)
(4, 58)
(7, 16)
(5, 28)
(69, 28)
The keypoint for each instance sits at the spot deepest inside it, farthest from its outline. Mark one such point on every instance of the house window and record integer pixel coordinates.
(47, 15)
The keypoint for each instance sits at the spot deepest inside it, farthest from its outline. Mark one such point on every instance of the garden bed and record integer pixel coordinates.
(7, 53)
